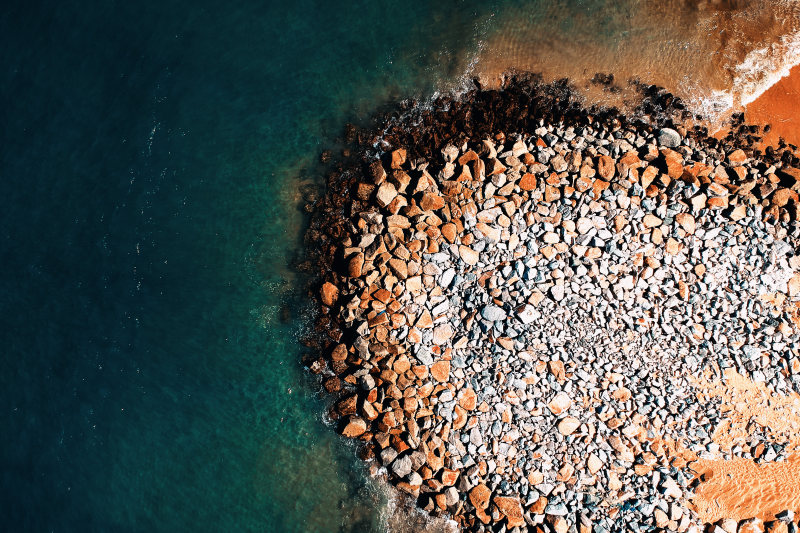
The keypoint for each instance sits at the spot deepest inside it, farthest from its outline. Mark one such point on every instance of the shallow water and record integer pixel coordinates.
(151, 161)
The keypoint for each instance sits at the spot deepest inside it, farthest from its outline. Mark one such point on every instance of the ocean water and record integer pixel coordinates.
(151, 164)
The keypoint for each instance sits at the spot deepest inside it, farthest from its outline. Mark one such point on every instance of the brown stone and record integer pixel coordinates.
(398, 158)
(651, 221)
(468, 255)
(737, 157)
(648, 175)
(479, 496)
(399, 267)
(355, 427)
(781, 197)
(598, 187)
(449, 477)
(528, 182)
(467, 399)
(355, 265)
(605, 167)
(449, 232)
(329, 293)
(339, 353)
(686, 221)
(551, 194)
(431, 202)
(568, 425)
(511, 509)
(719, 202)
(440, 371)
(560, 403)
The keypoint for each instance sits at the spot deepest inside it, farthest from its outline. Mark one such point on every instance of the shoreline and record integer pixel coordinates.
(446, 202)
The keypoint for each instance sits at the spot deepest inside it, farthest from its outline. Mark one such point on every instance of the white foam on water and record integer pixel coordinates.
(764, 67)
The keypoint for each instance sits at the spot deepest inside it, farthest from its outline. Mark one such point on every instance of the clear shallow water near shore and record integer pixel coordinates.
(151, 161)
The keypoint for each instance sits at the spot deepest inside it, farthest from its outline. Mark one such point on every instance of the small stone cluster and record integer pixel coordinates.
(516, 324)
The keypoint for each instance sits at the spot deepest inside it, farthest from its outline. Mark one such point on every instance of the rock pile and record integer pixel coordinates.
(515, 324)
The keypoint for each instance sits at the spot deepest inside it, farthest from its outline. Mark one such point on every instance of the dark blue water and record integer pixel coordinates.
(149, 169)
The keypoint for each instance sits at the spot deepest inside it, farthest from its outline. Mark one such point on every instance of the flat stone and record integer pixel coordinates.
(440, 371)
(560, 403)
(355, 427)
(686, 221)
(329, 293)
(511, 509)
(669, 138)
(568, 425)
(493, 313)
(468, 255)
(651, 221)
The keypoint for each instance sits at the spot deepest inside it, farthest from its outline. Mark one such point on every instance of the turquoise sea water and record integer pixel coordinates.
(151, 159)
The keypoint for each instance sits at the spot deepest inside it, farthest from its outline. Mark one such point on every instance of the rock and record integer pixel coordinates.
(651, 221)
(399, 267)
(468, 400)
(560, 403)
(449, 232)
(669, 138)
(442, 334)
(329, 293)
(594, 464)
(492, 313)
(355, 427)
(441, 371)
(661, 518)
(686, 221)
(479, 496)
(468, 255)
(568, 425)
(402, 466)
(385, 194)
(528, 182)
(398, 158)
(605, 167)
(511, 508)
(355, 265)
(431, 202)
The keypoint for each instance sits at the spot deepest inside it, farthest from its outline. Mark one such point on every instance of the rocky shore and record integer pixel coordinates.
(528, 308)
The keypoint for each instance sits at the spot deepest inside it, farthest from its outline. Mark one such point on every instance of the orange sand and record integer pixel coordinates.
(740, 489)
(747, 406)
(779, 107)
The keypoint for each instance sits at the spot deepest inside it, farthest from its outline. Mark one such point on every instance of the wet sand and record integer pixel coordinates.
(779, 107)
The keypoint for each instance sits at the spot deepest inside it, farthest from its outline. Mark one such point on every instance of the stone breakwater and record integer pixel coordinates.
(518, 308)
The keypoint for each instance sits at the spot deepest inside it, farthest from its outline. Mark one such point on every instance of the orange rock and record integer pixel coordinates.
(737, 157)
(605, 167)
(449, 232)
(583, 184)
(398, 158)
(560, 403)
(539, 506)
(339, 353)
(686, 221)
(329, 293)
(719, 202)
(440, 371)
(449, 477)
(528, 182)
(598, 187)
(467, 399)
(479, 496)
(354, 427)
(431, 202)
(511, 508)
